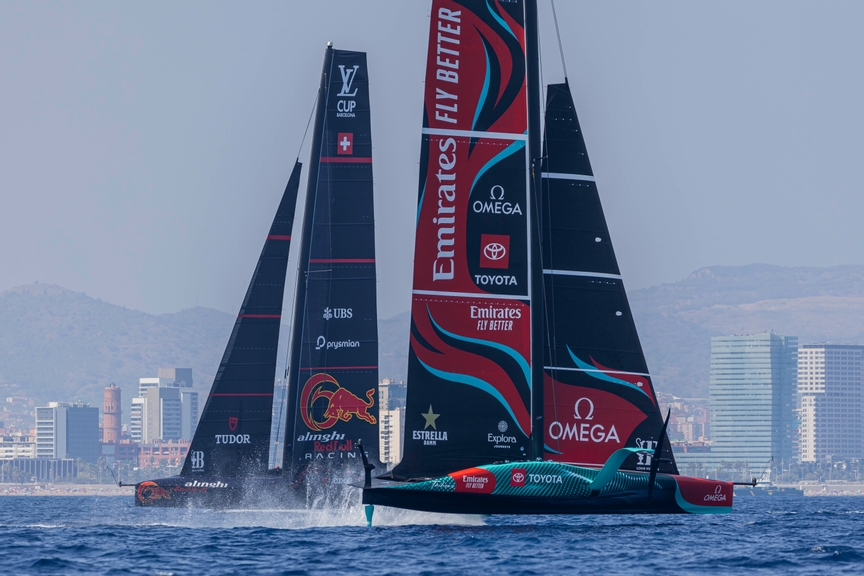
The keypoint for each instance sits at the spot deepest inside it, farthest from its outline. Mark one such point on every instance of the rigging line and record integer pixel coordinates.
(558, 33)
(308, 122)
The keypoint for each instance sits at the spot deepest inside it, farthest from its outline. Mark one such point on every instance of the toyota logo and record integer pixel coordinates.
(518, 477)
(494, 251)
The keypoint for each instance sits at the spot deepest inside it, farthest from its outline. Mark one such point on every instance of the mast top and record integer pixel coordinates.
(329, 44)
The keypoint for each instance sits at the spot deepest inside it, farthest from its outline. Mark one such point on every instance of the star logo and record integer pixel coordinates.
(430, 419)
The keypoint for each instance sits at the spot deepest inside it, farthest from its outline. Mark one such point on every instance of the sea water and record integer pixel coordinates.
(109, 535)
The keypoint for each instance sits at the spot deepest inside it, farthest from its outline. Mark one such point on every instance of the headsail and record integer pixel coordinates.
(598, 394)
(333, 379)
(469, 359)
(233, 435)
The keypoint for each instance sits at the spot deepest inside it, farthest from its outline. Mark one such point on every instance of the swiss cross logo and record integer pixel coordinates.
(517, 477)
(345, 143)
(494, 251)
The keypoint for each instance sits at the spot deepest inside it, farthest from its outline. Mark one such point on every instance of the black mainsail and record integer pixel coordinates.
(333, 366)
(233, 435)
(598, 395)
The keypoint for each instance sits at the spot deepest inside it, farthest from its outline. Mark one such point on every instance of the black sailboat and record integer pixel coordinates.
(527, 388)
(333, 357)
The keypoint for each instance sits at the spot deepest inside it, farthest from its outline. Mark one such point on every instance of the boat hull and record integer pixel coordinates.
(552, 488)
(258, 493)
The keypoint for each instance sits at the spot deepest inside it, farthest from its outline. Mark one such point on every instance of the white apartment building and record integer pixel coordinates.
(391, 421)
(830, 385)
(17, 446)
(163, 411)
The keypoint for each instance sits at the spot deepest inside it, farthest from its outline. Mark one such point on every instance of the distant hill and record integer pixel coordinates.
(56, 344)
(676, 321)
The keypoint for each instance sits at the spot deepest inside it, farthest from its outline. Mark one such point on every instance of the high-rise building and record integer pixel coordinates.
(830, 382)
(111, 427)
(391, 420)
(752, 397)
(165, 408)
(67, 431)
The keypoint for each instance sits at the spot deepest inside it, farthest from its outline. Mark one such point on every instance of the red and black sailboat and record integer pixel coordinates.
(333, 355)
(527, 388)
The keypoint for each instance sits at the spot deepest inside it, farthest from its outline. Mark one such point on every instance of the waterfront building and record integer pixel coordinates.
(17, 445)
(830, 388)
(156, 454)
(165, 408)
(67, 431)
(752, 395)
(391, 420)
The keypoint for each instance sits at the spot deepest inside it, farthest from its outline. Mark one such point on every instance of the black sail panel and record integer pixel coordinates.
(598, 395)
(469, 384)
(333, 381)
(233, 434)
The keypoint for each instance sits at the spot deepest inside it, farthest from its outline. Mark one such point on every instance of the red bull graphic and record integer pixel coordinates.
(339, 404)
(150, 492)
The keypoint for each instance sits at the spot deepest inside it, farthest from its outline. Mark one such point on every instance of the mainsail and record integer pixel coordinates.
(233, 435)
(469, 358)
(333, 378)
(598, 395)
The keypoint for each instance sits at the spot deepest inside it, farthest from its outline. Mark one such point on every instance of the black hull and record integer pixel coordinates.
(261, 493)
(635, 502)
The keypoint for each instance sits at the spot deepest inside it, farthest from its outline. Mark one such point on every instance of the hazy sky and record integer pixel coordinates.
(144, 146)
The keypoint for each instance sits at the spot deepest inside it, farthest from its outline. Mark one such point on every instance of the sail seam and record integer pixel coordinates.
(474, 134)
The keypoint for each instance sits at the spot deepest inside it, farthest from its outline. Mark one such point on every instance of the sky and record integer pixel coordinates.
(144, 147)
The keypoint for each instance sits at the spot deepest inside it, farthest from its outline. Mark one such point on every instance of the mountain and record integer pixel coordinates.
(676, 320)
(56, 344)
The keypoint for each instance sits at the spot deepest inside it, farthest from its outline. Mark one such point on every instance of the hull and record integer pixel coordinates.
(553, 488)
(257, 493)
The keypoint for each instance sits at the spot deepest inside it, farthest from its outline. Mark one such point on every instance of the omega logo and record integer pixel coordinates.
(577, 415)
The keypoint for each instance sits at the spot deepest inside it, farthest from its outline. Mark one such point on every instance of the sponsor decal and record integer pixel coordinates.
(345, 108)
(518, 477)
(150, 492)
(233, 439)
(495, 317)
(197, 484)
(447, 60)
(502, 426)
(494, 280)
(494, 251)
(345, 143)
(443, 267)
(501, 440)
(197, 458)
(232, 423)
(322, 343)
(496, 204)
(644, 462)
(338, 313)
(545, 479)
(584, 431)
(340, 404)
(475, 480)
(717, 496)
(430, 437)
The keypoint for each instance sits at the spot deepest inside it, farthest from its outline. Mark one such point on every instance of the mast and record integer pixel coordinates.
(303, 259)
(532, 54)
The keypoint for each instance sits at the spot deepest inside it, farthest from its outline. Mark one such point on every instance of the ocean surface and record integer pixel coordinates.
(108, 535)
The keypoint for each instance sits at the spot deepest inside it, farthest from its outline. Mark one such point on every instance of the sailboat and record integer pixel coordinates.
(528, 391)
(332, 372)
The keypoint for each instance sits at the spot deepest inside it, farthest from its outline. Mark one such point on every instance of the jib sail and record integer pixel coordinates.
(598, 394)
(469, 358)
(233, 435)
(333, 378)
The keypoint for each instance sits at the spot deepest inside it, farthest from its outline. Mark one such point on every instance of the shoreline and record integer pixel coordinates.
(65, 489)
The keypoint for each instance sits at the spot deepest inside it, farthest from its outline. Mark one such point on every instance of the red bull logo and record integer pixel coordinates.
(340, 404)
(150, 492)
